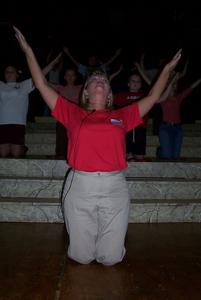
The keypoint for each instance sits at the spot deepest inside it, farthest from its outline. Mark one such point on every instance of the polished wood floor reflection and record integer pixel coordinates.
(163, 261)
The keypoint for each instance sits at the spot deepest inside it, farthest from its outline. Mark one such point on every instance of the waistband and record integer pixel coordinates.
(112, 173)
(171, 123)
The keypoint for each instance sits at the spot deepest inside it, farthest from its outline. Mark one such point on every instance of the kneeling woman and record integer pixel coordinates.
(96, 201)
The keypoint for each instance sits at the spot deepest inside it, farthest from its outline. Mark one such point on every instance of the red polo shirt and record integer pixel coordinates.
(96, 139)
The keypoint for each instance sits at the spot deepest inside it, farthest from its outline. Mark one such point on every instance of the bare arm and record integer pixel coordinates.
(142, 61)
(146, 103)
(51, 65)
(142, 73)
(196, 83)
(112, 58)
(65, 49)
(113, 75)
(143, 70)
(184, 71)
(166, 94)
(48, 94)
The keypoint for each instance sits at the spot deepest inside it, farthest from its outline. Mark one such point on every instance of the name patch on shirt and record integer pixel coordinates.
(116, 122)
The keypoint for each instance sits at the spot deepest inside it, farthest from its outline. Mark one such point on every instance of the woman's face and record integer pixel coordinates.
(70, 76)
(98, 90)
(135, 83)
(10, 74)
(92, 61)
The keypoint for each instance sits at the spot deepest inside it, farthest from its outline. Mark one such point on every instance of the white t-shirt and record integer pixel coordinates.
(14, 101)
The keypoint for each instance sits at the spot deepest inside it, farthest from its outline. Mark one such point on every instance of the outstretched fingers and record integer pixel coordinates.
(175, 59)
(18, 33)
(21, 39)
(177, 56)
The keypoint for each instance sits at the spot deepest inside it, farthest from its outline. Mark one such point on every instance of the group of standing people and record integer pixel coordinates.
(14, 101)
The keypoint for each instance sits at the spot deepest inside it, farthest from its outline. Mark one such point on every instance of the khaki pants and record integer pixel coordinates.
(96, 209)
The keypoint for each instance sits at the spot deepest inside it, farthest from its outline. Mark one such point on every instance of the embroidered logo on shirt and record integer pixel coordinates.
(133, 97)
(116, 122)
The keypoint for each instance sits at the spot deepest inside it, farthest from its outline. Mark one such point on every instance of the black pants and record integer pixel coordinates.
(137, 145)
(61, 140)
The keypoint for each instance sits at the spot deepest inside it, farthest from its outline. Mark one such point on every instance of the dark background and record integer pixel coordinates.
(104, 29)
(158, 31)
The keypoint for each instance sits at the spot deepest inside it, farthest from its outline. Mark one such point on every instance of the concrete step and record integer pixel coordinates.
(166, 211)
(51, 168)
(139, 188)
(49, 149)
(52, 120)
(26, 209)
(40, 138)
(49, 123)
(141, 211)
(35, 129)
(50, 138)
(30, 190)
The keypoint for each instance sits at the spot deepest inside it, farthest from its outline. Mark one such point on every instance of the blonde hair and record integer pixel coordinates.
(84, 100)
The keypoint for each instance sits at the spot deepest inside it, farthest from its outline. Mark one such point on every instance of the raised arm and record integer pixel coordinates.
(51, 65)
(117, 53)
(65, 49)
(146, 103)
(184, 71)
(167, 93)
(48, 94)
(142, 73)
(196, 83)
(113, 75)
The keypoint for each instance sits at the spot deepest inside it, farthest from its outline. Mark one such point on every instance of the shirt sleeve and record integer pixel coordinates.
(64, 110)
(82, 69)
(131, 116)
(56, 87)
(27, 86)
(184, 94)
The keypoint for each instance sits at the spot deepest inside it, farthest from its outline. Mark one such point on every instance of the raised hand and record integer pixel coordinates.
(65, 49)
(21, 39)
(174, 61)
(58, 58)
(136, 65)
(118, 51)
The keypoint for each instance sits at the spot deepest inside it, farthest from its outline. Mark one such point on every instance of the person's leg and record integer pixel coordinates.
(156, 114)
(80, 212)
(17, 141)
(165, 141)
(113, 213)
(140, 142)
(178, 138)
(129, 145)
(61, 141)
(5, 133)
(12, 140)
(18, 151)
(4, 150)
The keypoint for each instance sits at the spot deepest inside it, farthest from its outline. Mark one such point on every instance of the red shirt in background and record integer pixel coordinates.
(70, 92)
(171, 107)
(126, 98)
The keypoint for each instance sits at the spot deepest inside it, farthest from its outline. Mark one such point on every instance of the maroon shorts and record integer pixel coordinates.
(12, 134)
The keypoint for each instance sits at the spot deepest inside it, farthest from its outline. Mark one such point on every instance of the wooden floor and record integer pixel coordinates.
(163, 262)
